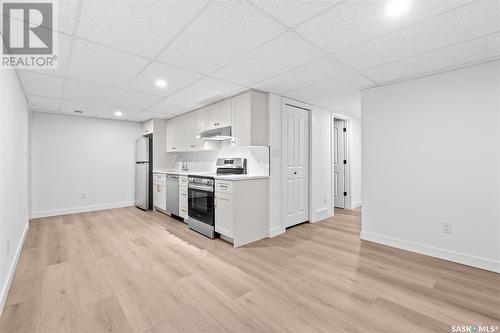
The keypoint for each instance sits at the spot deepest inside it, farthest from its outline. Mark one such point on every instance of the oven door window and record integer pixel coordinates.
(201, 205)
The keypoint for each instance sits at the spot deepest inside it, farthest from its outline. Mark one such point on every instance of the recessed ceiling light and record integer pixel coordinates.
(160, 83)
(396, 8)
(118, 113)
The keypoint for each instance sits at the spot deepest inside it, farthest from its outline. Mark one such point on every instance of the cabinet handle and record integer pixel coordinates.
(192, 146)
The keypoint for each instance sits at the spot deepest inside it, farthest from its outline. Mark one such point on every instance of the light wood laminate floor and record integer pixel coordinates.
(124, 270)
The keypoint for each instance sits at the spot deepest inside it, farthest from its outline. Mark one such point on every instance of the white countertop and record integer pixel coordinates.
(183, 173)
(211, 174)
(239, 177)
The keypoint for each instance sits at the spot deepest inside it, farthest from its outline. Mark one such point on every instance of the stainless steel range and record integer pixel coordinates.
(201, 192)
(236, 165)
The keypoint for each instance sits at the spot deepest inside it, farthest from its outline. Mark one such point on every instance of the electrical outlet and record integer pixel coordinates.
(7, 245)
(83, 195)
(447, 228)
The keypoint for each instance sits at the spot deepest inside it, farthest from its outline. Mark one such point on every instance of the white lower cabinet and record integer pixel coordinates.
(241, 212)
(224, 214)
(160, 191)
(183, 197)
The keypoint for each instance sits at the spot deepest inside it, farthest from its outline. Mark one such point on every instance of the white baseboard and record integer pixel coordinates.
(276, 231)
(12, 270)
(356, 204)
(320, 215)
(461, 258)
(75, 210)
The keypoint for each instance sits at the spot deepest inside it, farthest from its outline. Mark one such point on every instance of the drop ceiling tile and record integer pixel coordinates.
(282, 54)
(354, 22)
(484, 48)
(331, 90)
(145, 116)
(62, 53)
(66, 15)
(88, 109)
(465, 23)
(320, 70)
(293, 12)
(95, 111)
(41, 84)
(140, 27)
(176, 79)
(95, 63)
(40, 103)
(89, 93)
(171, 107)
(224, 31)
(109, 113)
(206, 91)
(133, 100)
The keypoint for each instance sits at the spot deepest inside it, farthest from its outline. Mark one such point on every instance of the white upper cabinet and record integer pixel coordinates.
(247, 114)
(147, 127)
(172, 127)
(250, 119)
(220, 114)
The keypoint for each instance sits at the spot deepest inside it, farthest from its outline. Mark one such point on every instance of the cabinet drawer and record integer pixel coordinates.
(183, 181)
(183, 212)
(183, 199)
(224, 186)
(159, 178)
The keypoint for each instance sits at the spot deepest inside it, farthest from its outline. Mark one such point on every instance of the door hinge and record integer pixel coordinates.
(345, 129)
(345, 194)
(345, 161)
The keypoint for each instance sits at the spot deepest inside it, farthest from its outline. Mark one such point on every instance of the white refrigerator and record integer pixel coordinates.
(142, 174)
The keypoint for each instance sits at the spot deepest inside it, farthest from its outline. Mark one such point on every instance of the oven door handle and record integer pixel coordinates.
(201, 188)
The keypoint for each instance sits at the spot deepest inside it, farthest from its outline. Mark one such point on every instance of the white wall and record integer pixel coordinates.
(431, 153)
(14, 124)
(355, 161)
(321, 164)
(74, 155)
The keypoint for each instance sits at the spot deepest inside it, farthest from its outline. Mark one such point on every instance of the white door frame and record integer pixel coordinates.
(291, 102)
(347, 171)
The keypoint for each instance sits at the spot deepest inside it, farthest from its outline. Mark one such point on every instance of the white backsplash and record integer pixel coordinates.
(204, 161)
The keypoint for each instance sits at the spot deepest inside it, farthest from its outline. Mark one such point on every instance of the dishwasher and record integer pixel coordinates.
(172, 194)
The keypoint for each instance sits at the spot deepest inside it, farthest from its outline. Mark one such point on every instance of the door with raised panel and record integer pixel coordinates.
(295, 165)
(339, 163)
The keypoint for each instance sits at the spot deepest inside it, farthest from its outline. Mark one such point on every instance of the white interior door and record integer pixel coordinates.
(295, 165)
(339, 150)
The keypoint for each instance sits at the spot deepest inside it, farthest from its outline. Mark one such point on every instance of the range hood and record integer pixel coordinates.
(216, 134)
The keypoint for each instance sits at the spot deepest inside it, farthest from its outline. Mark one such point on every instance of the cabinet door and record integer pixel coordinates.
(225, 113)
(242, 120)
(213, 113)
(189, 131)
(163, 197)
(156, 194)
(224, 214)
(171, 135)
(147, 127)
(200, 125)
